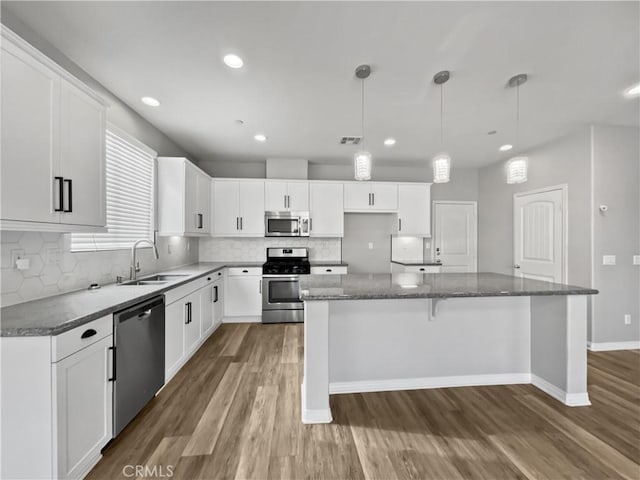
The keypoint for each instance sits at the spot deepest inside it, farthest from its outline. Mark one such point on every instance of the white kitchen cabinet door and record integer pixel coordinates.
(243, 296)
(30, 109)
(206, 309)
(82, 157)
(218, 304)
(384, 196)
(252, 208)
(275, 196)
(226, 207)
(83, 405)
(327, 210)
(193, 322)
(174, 318)
(190, 199)
(414, 217)
(357, 196)
(298, 196)
(204, 203)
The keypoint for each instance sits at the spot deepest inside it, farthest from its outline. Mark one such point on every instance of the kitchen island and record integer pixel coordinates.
(406, 331)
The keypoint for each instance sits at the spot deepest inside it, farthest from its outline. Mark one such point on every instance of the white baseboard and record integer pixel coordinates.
(428, 382)
(310, 416)
(610, 346)
(250, 319)
(569, 399)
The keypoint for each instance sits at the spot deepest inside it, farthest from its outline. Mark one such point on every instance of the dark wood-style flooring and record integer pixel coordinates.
(234, 412)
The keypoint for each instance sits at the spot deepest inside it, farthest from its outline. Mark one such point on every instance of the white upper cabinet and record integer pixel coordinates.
(414, 212)
(286, 196)
(238, 208)
(183, 198)
(53, 145)
(327, 210)
(370, 196)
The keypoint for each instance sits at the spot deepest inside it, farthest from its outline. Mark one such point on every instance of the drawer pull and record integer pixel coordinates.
(245, 271)
(88, 333)
(219, 273)
(208, 279)
(329, 270)
(422, 269)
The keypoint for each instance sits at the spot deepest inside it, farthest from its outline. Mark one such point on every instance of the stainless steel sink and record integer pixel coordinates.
(156, 279)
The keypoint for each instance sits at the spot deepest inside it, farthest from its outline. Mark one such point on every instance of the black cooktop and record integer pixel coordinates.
(286, 267)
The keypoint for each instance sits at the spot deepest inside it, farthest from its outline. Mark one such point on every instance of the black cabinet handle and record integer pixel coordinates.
(245, 271)
(88, 333)
(59, 181)
(399, 224)
(208, 279)
(422, 269)
(200, 220)
(69, 183)
(113, 363)
(215, 293)
(219, 273)
(329, 270)
(188, 320)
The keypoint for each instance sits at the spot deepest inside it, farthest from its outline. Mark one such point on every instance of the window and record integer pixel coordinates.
(130, 182)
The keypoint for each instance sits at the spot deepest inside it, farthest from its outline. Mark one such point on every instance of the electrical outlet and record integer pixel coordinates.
(608, 259)
(16, 254)
(627, 319)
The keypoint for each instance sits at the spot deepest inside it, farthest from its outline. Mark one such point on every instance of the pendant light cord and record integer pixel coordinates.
(441, 115)
(362, 112)
(518, 116)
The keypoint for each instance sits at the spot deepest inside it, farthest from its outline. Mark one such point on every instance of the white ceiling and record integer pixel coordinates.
(298, 84)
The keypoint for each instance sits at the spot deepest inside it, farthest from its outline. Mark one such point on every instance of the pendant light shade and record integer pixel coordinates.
(362, 160)
(517, 170)
(517, 166)
(441, 163)
(362, 164)
(441, 168)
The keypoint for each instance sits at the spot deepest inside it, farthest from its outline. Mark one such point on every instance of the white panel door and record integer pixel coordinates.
(357, 196)
(193, 324)
(225, 208)
(243, 296)
(298, 196)
(204, 203)
(384, 196)
(175, 315)
(327, 210)
(252, 208)
(539, 235)
(82, 154)
(30, 108)
(84, 407)
(206, 309)
(413, 210)
(190, 198)
(455, 241)
(275, 196)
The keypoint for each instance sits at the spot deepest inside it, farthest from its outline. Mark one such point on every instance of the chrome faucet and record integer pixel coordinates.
(135, 265)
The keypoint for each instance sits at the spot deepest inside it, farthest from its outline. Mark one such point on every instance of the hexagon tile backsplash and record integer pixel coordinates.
(255, 249)
(53, 269)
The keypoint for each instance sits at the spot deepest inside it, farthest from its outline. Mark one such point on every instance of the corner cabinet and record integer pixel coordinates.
(184, 198)
(238, 208)
(53, 145)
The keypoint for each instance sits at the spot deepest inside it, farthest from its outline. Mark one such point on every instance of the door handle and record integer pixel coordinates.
(113, 365)
(69, 183)
(373, 199)
(215, 293)
(516, 266)
(399, 224)
(284, 199)
(260, 287)
(369, 198)
(59, 181)
(237, 223)
(241, 226)
(311, 224)
(200, 220)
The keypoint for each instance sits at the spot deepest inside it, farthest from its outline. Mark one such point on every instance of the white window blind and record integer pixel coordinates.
(130, 196)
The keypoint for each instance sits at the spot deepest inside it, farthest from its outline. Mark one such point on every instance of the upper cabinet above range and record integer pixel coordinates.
(282, 196)
(184, 198)
(53, 145)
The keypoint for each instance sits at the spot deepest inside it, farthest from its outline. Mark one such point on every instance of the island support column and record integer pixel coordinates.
(559, 347)
(315, 384)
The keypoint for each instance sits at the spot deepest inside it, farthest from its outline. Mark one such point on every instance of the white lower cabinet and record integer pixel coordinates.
(329, 270)
(83, 413)
(243, 295)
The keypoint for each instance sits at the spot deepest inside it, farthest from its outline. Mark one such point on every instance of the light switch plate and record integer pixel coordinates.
(608, 259)
(636, 259)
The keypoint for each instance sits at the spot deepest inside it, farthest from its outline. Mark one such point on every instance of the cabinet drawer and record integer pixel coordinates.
(182, 291)
(422, 269)
(72, 341)
(328, 270)
(235, 271)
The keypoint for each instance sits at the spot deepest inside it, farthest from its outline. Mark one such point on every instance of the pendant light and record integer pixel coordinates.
(441, 163)
(362, 158)
(517, 166)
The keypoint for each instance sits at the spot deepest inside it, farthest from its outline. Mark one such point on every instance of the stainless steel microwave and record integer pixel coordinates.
(286, 224)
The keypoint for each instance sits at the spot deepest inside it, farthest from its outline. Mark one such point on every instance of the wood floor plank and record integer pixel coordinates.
(164, 458)
(205, 436)
(290, 344)
(232, 347)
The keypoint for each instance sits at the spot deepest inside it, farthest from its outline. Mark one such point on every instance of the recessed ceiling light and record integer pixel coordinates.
(260, 137)
(492, 132)
(233, 61)
(633, 91)
(239, 122)
(506, 147)
(389, 142)
(152, 102)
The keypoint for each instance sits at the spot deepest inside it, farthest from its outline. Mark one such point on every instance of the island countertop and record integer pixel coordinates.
(429, 285)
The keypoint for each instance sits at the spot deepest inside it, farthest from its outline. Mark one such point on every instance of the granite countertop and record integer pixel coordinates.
(417, 264)
(57, 314)
(429, 285)
(328, 264)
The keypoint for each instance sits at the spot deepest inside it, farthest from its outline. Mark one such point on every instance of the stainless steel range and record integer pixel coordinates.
(280, 287)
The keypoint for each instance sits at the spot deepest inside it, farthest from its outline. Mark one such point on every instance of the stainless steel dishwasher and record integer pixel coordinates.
(139, 359)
